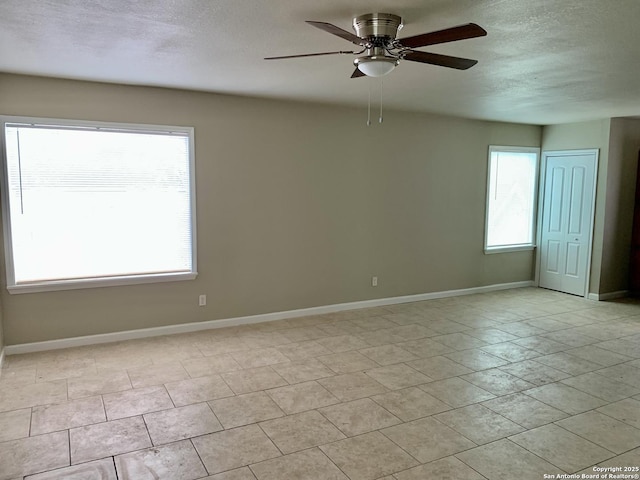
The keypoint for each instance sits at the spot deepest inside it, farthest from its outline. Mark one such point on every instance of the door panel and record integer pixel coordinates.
(577, 193)
(556, 203)
(567, 220)
(553, 256)
(573, 259)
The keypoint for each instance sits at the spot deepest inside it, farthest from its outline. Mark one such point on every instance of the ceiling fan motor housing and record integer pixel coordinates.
(379, 30)
(377, 26)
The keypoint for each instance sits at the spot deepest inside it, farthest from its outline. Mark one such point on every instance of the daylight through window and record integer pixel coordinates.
(511, 198)
(93, 204)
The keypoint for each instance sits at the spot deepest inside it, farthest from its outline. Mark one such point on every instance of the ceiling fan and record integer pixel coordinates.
(382, 51)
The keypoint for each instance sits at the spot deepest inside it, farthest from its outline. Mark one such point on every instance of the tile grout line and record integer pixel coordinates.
(69, 444)
(613, 454)
(115, 469)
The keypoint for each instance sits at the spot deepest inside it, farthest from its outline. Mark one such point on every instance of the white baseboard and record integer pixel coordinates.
(609, 295)
(265, 317)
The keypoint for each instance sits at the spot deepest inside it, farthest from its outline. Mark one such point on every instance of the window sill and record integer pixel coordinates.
(53, 286)
(509, 249)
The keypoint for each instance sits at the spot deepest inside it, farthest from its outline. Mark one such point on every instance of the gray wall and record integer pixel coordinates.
(621, 186)
(298, 206)
(1, 331)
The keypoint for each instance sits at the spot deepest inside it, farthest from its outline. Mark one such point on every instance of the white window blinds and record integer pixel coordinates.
(97, 203)
(511, 197)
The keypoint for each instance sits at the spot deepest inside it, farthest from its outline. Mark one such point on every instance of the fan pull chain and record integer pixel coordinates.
(369, 106)
(380, 118)
(381, 85)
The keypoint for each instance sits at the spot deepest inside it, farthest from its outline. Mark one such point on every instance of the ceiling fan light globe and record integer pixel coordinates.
(376, 67)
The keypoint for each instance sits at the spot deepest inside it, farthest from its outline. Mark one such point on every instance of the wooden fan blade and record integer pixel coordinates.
(440, 60)
(309, 55)
(327, 27)
(357, 73)
(462, 32)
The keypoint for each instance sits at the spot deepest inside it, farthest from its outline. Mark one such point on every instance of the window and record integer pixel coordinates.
(511, 198)
(96, 204)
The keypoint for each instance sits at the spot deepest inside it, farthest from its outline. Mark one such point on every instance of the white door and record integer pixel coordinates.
(567, 220)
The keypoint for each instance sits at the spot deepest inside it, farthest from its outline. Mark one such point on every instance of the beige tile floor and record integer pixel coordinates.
(506, 385)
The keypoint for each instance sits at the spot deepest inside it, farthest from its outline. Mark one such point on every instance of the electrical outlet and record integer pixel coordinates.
(374, 281)
(202, 300)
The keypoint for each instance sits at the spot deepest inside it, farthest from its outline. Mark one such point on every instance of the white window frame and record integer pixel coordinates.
(515, 247)
(71, 284)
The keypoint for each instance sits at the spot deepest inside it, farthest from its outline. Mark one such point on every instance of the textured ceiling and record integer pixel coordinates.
(542, 62)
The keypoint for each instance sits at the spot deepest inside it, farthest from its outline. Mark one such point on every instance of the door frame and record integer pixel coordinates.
(541, 193)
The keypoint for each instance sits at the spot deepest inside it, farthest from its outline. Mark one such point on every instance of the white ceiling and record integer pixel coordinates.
(542, 62)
